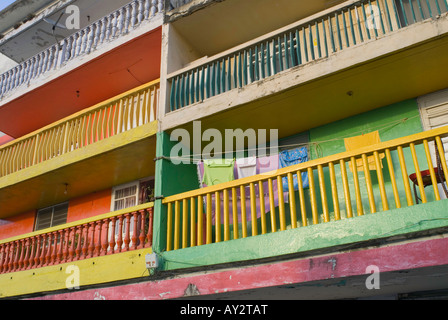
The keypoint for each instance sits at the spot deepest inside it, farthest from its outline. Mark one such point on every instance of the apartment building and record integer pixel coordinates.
(203, 149)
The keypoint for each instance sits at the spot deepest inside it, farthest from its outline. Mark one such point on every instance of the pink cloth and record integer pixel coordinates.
(264, 165)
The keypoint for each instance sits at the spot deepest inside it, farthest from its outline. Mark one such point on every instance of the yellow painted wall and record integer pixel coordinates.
(115, 267)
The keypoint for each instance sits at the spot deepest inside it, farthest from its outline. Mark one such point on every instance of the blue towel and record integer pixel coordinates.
(292, 157)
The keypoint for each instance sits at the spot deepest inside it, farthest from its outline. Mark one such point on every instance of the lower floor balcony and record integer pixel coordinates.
(106, 248)
(367, 184)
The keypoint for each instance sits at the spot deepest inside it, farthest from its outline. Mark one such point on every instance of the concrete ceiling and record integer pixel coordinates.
(36, 35)
(381, 82)
(101, 165)
(249, 20)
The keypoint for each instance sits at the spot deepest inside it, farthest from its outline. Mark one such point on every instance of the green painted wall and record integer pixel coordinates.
(170, 179)
(394, 121)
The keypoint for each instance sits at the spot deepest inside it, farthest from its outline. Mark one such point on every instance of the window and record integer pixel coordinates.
(51, 216)
(434, 114)
(127, 196)
(132, 194)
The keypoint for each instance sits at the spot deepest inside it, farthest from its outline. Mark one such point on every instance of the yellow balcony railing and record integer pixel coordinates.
(106, 119)
(116, 232)
(258, 204)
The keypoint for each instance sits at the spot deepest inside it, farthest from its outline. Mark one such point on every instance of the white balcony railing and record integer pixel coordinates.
(83, 42)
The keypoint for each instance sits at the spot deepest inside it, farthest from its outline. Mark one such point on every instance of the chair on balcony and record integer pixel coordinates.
(426, 177)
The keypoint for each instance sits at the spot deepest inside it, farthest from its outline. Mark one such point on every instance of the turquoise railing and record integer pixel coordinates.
(309, 40)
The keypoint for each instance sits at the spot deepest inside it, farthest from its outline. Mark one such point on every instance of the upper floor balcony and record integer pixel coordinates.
(97, 144)
(352, 52)
(107, 57)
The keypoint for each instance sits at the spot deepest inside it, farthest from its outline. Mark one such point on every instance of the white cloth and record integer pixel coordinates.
(247, 167)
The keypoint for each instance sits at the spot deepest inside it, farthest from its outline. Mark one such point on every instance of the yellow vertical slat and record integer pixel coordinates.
(393, 179)
(226, 215)
(193, 226)
(381, 185)
(36, 149)
(200, 221)
(2, 162)
(292, 201)
(144, 106)
(302, 199)
(184, 223)
(441, 152)
(218, 216)
(345, 186)
(281, 203)
(272, 206)
(334, 191)
(176, 224)
(243, 211)
(209, 219)
(369, 187)
(418, 173)
(313, 196)
(404, 173)
(169, 227)
(262, 208)
(253, 209)
(323, 193)
(431, 170)
(235, 213)
(359, 207)
(84, 125)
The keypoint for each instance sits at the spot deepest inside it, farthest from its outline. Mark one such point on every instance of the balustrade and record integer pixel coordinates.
(77, 242)
(83, 42)
(308, 40)
(120, 114)
(257, 205)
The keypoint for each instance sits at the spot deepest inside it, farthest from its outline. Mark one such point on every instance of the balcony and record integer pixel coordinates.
(92, 38)
(392, 189)
(97, 143)
(336, 49)
(120, 238)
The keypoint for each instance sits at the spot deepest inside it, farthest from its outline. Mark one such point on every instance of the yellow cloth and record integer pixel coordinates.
(361, 141)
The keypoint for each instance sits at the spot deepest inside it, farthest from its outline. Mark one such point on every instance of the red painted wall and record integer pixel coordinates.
(80, 208)
(18, 225)
(89, 206)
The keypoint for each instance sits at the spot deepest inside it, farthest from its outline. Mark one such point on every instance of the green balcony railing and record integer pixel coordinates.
(307, 41)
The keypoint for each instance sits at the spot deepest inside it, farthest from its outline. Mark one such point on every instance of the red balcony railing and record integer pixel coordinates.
(124, 230)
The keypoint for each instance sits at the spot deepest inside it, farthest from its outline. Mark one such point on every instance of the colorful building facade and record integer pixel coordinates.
(231, 149)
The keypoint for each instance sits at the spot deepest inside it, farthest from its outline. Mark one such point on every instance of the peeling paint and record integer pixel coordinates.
(98, 296)
(191, 290)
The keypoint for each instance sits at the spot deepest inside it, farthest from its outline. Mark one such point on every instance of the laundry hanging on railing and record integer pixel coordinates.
(246, 167)
(262, 165)
(289, 158)
(218, 171)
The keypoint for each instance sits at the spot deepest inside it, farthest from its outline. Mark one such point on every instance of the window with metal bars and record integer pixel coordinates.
(51, 216)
